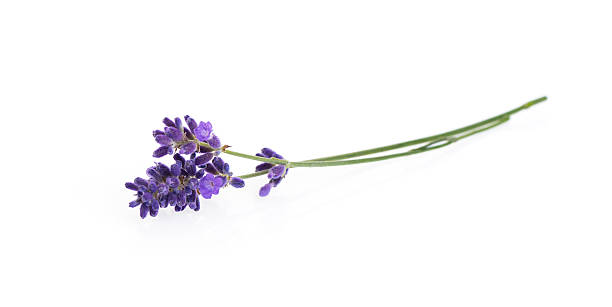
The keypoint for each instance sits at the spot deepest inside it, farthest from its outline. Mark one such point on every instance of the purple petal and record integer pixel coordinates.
(157, 132)
(219, 181)
(134, 204)
(203, 131)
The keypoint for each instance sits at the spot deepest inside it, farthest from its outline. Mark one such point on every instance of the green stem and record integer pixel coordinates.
(433, 142)
(443, 142)
(255, 174)
(430, 138)
(256, 158)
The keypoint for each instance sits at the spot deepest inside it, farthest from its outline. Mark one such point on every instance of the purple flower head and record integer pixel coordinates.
(276, 172)
(184, 137)
(210, 185)
(179, 185)
(203, 131)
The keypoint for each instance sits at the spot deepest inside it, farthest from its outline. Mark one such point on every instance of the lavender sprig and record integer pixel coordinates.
(204, 173)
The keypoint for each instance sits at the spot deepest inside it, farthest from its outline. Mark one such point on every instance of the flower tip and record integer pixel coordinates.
(265, 190)
(237, 182)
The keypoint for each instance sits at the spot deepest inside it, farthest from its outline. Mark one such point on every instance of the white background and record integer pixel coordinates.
(517, 216)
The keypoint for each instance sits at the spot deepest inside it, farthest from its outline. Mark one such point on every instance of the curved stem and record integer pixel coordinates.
(433, 142)
(256, 158)
(255, 174)
(443, 142)
(429, 138)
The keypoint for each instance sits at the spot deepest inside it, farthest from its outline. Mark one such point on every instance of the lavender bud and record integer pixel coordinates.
(168, 122)
(200, 173)
(157, 132)
(191, 123)
(179, 158)
(189, 135)
(154, 205)
(265, 190)
(263, 166)
(267, 152)
(211, 169)
(214, 142)
(163, 170)
(162, 151)
(276, 172)
(146, 196)
(140, 181)
(179, 124)
(218, 163)
(163, 139)
(173, 133)
(203, 131)
(172, 182)
(154, 174)
(188, 148)
(143, 211)
(237, 182)
(175, 169)
(190, 168)
(203, 159)
(131, 186)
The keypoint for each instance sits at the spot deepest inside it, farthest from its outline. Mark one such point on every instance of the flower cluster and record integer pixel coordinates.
(175, 136)
(181, 184)
(276, 172)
